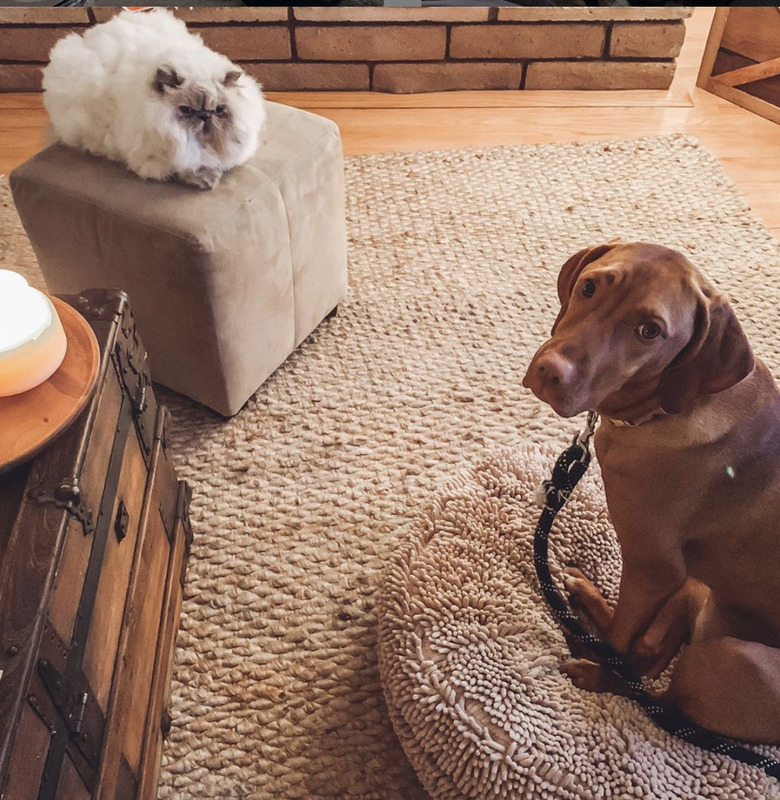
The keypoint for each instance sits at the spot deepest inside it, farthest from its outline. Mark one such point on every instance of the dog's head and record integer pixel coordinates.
(640, 329)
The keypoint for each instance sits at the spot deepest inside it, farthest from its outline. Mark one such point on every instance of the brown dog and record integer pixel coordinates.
(689, 449)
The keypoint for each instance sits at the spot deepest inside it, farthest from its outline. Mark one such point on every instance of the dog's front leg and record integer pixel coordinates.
(651, 652)
(646, 585)
(648, 625)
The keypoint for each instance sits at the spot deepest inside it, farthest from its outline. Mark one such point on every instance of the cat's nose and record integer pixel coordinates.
(203, 115)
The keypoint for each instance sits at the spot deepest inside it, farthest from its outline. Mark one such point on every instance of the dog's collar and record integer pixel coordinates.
(626, 423)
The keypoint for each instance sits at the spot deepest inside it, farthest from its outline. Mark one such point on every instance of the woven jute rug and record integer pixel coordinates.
(302, 498)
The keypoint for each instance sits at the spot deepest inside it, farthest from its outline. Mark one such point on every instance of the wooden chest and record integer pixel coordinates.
(94, 537)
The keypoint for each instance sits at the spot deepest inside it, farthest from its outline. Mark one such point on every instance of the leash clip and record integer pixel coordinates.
(582, 439)
(552, 494)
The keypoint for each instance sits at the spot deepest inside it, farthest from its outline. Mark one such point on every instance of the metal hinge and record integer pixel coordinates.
(68, 496)
(71, 702)
(133, 367)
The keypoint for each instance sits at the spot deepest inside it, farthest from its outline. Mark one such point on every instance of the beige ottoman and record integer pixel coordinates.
(224, 283)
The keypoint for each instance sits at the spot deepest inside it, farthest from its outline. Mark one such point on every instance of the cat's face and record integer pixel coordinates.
(205, 110)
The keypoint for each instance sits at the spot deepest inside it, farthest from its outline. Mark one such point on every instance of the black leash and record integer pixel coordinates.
(568, 470)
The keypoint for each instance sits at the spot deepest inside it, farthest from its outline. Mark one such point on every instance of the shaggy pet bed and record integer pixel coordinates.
(469, 656)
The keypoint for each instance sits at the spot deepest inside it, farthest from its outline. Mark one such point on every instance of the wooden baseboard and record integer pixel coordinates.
(676, 96)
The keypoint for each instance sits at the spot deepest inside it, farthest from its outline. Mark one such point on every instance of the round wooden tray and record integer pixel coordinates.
(29, 421)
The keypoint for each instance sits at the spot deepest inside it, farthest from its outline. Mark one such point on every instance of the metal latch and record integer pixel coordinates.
(68, 496)
(121, 521)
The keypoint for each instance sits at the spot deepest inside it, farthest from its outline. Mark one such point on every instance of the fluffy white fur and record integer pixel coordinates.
(104, 95)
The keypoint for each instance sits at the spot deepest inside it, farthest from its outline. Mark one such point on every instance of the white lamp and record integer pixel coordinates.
(32, 339)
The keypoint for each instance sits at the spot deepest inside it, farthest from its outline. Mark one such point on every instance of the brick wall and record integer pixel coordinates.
(398, 49)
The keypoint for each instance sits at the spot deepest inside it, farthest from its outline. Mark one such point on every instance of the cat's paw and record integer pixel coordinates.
(203, 178)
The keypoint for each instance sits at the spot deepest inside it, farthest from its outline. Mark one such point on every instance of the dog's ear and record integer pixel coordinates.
(571, 270)
(166, 77)
(717, 356)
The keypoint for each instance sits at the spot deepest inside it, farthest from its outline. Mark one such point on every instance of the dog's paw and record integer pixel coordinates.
(585, 597)
(584, 674)
(592, 677)
(577, 585)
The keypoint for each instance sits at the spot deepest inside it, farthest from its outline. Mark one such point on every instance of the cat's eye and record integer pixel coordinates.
(220, 110)
(589, 288)
(649, 330)
(186, 110)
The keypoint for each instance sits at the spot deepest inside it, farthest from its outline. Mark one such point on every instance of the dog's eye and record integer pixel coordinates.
(186, 110)
(649, 330)
(589, 288)
(220, 110)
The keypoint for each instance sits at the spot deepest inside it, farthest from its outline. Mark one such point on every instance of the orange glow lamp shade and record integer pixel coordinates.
(32, 339)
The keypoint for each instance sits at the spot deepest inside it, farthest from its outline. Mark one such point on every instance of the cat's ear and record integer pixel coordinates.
(231, 79)
(166, 78)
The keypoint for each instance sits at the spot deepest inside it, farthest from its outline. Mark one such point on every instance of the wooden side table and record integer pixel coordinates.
(741, 62)
(94, 538)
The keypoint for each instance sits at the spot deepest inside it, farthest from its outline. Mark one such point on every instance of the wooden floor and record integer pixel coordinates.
(747, 145)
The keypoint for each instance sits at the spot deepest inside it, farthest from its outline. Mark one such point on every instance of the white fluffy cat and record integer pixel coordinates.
(142, 90)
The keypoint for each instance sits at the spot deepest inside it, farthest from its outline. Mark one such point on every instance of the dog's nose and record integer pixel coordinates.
(553, 368)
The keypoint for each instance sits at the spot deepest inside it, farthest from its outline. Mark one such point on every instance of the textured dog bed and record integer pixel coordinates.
(469, 656)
